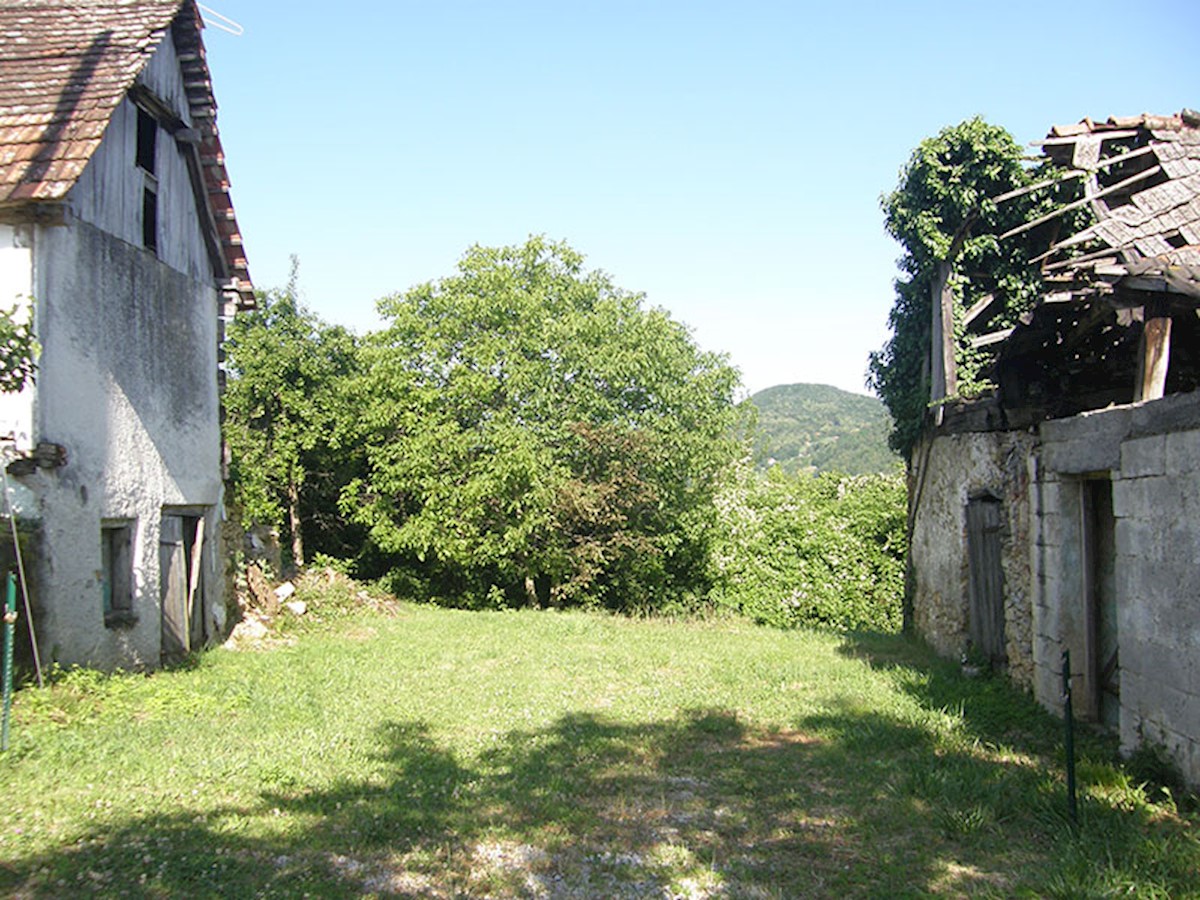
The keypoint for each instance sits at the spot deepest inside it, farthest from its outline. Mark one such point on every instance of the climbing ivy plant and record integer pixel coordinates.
(944, 210)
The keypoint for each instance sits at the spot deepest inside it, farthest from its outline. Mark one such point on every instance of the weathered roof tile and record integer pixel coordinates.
(64, 69)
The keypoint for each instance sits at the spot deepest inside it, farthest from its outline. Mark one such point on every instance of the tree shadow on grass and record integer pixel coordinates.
(1001, 762)
(848, 802)
(586, 807)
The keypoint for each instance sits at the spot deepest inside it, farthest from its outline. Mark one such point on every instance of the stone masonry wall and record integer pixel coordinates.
(950, 470)
(1157, 505)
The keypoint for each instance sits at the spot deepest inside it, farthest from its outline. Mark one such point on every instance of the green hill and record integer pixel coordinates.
(815, 427)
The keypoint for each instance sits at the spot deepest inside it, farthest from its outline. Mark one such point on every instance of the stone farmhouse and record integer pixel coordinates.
(118, 234)
(1062, 512)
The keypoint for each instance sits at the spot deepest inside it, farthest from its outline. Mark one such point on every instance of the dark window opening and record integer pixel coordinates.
(147, 140)
(116, 565)
(150, 219)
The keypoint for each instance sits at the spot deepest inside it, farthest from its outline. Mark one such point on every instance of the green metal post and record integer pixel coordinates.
(10, 628)
(1069, 723)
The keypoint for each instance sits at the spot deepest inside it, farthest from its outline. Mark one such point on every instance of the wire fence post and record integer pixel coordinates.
(1069, 725)
(10, 629)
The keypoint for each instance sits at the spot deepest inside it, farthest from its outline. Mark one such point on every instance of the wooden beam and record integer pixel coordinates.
(1154, 358)
(1111, 189)
(1104, 136)
(944, 380)
(984, 302)
(995, 337)
(1030, 188)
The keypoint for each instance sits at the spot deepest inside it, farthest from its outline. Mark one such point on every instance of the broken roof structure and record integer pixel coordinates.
(1141, 177)
(1115, 284)
(64, 69)
(1047, 518)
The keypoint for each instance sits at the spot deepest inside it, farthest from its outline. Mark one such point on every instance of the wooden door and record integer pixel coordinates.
(180, 559)
(986, 579)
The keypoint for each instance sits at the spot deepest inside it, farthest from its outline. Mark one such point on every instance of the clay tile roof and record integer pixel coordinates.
(64, 69)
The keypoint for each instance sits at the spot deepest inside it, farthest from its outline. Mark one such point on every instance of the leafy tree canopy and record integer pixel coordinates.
(943, 210)
(284, 410)
(18, 350)
(537, 429)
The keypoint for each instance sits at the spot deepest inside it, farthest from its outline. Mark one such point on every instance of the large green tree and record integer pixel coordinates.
(541, 433)
(284, 412)
(945, 215)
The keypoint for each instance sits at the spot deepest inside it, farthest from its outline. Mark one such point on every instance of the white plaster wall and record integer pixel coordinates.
(128, 385)
(16, 290)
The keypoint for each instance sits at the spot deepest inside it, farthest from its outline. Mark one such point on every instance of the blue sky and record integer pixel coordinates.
(726, 159)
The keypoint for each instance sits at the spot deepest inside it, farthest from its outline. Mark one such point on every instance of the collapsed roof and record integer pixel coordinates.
(1083, 345)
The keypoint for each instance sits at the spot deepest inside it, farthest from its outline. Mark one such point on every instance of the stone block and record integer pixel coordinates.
(1047, 497)
(1098, 426)
(1183, 452)
(1083, 455)
(1144, 456)
(1180, 712)
(1047, 687)
(1151, 500)
(1180, 412)
(1050, 532)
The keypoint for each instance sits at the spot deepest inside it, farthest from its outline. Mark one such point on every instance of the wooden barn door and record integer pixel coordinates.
(180, 556)
(986, 578)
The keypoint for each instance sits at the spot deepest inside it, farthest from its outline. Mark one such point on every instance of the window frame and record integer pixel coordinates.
(116, 572)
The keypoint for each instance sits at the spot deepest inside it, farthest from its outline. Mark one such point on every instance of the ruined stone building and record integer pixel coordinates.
(117, 230)
(1062, 512)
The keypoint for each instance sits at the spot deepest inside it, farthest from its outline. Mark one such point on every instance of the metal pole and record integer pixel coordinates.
(10, 628)
(1069, 723)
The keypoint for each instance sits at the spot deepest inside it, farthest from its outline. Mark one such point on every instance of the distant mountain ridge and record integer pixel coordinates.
(819, 428)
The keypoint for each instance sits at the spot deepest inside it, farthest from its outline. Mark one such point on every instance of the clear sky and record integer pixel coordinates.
(726, 159)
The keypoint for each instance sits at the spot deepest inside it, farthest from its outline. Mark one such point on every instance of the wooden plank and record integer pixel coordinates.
(943, 381)
(1111, 189)
(1063, 141)
(985, 340)
(1096, 256)
(984, 302)
(985, 572)
(194, 582)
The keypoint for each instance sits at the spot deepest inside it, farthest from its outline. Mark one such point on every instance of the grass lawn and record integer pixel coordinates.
(435, 753)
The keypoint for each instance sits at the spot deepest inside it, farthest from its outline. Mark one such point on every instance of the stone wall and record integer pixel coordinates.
(949, 470)
(1150, 455)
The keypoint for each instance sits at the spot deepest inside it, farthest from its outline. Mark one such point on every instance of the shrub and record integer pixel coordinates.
(800, 550)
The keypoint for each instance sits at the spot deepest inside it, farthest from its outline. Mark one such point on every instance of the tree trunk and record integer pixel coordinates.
(293, 512)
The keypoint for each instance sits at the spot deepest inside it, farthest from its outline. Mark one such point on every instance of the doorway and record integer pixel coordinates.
(1101, 639)
(181, 582)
